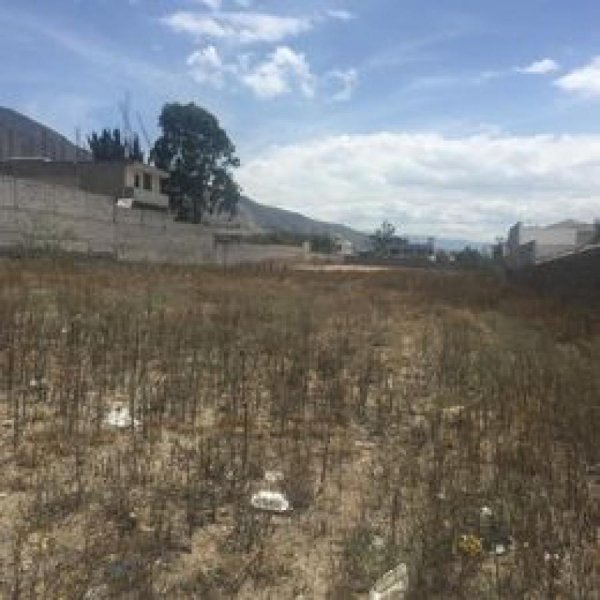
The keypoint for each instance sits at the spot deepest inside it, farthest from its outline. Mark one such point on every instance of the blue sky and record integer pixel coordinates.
(452, 118)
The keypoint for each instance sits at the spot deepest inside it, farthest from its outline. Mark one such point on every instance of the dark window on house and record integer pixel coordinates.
(147, 182)
(136, 180)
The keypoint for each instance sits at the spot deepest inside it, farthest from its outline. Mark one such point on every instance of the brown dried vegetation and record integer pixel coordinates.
(398, 405)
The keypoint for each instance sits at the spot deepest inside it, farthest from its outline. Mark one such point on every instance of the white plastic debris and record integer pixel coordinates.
(269, 501)
(125, 203)
(391, 586)
(118, 416)
(500, 550)
(486, 511)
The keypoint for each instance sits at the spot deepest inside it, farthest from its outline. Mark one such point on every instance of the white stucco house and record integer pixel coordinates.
(529, 244)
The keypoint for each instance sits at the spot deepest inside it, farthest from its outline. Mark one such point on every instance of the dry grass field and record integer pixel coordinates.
(445, 421)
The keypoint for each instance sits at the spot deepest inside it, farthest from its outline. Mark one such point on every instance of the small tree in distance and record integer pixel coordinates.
(383, 238)
(112, 146)
(199, 156)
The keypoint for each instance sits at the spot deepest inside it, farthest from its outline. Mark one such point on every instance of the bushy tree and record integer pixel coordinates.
(199, 157)
(383, 238)
(471, 258)
(112, 146)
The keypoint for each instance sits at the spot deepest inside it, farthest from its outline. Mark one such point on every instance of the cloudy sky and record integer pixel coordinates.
(450, 117)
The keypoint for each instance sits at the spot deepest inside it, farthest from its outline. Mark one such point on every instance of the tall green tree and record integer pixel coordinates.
(112, 146)
(199, 157)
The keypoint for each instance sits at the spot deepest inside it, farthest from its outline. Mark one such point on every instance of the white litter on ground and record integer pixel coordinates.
(118, 416)
(269, 501)
(391, 586)
(125, 202)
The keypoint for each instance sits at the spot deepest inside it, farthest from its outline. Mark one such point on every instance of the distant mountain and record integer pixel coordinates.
(261, 217)
(452, 245)
(22, 137)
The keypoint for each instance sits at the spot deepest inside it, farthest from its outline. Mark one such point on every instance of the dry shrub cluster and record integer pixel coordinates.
(396, 405)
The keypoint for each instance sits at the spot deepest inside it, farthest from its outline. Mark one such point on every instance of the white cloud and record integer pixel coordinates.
(280, 73)
(238, 27)
(206, 66)
(540, 67)
(340, 14)
(212, 4)
(470, 187)
(585, 80)
(347, 82)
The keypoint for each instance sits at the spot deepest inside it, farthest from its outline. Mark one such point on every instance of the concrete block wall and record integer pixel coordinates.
(572, 276)
(38, 215)
(239, 253)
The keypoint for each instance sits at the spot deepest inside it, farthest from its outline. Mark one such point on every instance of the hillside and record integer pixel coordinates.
(261, 217)
(269, 218)
(23, 137)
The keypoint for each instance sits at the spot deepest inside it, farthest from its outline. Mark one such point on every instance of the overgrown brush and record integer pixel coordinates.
(141, 406)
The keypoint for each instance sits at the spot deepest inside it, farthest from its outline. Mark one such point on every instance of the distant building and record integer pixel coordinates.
(527, 245)
(141, 183)
(30, 150)
(343, 247)
(404, 248)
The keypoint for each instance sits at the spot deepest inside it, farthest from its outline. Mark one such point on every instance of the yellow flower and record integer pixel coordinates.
(470, 545)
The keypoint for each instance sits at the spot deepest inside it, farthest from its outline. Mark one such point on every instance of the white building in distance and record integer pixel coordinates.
(527, 245)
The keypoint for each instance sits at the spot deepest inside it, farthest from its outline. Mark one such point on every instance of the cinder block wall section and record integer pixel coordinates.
(37, 216)
(40, 215)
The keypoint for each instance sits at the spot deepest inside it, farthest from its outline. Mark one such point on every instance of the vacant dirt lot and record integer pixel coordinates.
(446, 422)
